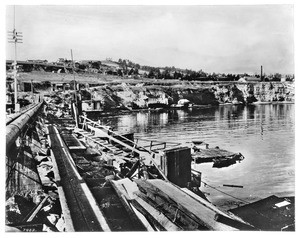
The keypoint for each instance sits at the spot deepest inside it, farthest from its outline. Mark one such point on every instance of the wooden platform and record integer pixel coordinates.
(220, 157)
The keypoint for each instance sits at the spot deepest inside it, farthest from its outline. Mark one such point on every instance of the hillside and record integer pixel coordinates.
(116, 92)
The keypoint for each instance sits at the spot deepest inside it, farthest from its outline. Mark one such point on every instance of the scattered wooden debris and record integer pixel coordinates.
(220, 157)
(167, 207)
(233, 186)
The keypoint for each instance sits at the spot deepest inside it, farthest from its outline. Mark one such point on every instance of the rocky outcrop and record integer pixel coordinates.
(141, 96)
(252, 92)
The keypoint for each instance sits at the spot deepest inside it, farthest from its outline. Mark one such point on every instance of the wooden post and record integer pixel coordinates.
(73, 67)
(176, 165)
(75, 114)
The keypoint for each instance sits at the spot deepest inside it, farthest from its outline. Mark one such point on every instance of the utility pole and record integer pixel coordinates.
(15, 37)
(32, 95)
(75, 106)
(73, 68)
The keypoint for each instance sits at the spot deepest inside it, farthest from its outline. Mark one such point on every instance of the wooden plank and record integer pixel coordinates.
(221, 158)
(77, 147)
(124, 189)
(127, 207)
(35, 211)
(171, 210)
(128, 190)
(203, 214)
(72, 142)
(102, 143)
(204, 202)
(154, 216)
(213, 152)
(222, 216)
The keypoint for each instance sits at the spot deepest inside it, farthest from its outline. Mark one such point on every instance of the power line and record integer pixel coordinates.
(206, 184)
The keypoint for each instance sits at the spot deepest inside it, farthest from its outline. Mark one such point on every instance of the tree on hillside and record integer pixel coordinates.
(277, 77)
(151, 74)
(96, 65)
(177, 75)
(166, 74)
(120, 72)
(81, 66)
(131, 71)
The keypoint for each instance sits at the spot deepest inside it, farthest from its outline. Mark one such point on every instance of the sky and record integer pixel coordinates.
(220, 39)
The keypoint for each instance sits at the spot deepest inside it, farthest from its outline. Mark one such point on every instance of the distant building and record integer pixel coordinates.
(161, 71)
(143, 72)
(60, 60)
(242, 80)
(156, 101)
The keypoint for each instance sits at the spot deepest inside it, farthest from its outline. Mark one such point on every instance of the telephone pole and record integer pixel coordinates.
(15, 38)
(75, 105)
(73, 68)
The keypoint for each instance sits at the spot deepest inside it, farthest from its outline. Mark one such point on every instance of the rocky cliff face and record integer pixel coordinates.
(252, 92)
(141, 96)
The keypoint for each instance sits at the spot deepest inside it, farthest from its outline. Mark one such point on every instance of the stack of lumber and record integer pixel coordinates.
(161, 205)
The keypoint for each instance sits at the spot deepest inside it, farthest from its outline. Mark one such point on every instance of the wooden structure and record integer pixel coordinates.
(84, 213)
(166, 207)
(99, 131)
(176, 165)
(220, 157)
(92, 201)
(72, 142)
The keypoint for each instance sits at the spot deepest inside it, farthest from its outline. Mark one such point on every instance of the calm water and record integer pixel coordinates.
(264, 134)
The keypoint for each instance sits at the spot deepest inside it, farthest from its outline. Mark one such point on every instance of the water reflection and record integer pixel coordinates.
(182, 114)
(264, 134)
(142, 120)
(158, 118)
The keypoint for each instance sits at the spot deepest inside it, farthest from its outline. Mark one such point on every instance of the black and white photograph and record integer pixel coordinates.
(149, 117)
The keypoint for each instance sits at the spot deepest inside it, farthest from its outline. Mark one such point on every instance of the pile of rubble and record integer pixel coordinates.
(37, 210)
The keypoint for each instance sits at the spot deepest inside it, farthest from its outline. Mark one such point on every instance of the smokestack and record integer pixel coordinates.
(261, 73)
